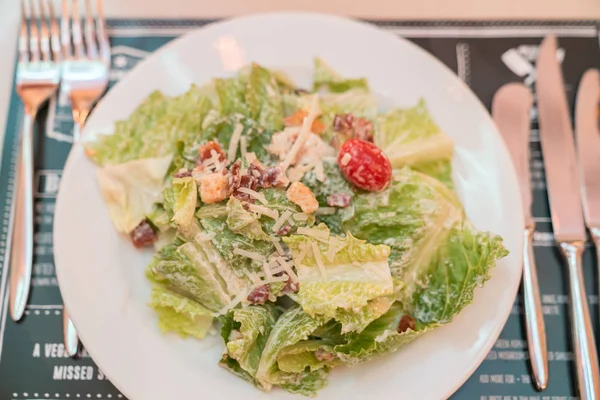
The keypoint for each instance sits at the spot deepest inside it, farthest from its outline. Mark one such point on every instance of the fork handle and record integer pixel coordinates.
(21, 249)
(584, 344)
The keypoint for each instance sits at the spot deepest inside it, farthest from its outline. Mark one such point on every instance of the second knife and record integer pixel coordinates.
(510, 109)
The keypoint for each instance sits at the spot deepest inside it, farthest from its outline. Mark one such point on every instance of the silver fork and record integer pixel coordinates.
(38, 75)
(84, 79)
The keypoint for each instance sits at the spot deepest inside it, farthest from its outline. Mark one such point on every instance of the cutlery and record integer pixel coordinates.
(588, 151)
(84, 79)
(37, 79)
(511, 109)
(558, 148)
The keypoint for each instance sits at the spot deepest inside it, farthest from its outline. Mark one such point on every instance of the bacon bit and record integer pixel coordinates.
(406, 322)
(284, 230)
(324, 355)
(297, 118)
(182, 173)
(205, 151)
(260, 295)
(341, 200)
(358, 128)
(143, 235)
(291, 286)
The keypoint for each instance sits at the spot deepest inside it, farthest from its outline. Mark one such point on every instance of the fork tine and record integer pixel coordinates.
(65, 30)
(44, 31)
(34, 36)
(23, 36)
(101, 33)
(77, 36)
(90, 35)
(54, 33)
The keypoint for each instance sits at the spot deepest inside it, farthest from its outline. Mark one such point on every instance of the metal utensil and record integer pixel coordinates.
(84, 80)
(510, 109)
(556, 136)
(37, 79)
(588, 151)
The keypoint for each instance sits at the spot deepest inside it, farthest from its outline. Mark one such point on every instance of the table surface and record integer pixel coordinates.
(370, 9)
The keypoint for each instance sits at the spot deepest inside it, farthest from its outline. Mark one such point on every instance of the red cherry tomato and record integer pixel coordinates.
(365, 165)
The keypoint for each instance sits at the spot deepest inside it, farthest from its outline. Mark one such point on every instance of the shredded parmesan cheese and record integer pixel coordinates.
(332, 250)
(253, 193)
(250, 254)
(279, 223)
(267, 270)
(319, 172)
(244, 146)
(282, 278)
(274, 214)
(346, 159)
(325, 211)
(234, 142)
(236, 300)
(288, 269)
(204, 236)
(250, 157)
(318, 258)
(316, 233)
(253, 277)
(303, 135)
(300, 257)
(301, 217)
(277, 245)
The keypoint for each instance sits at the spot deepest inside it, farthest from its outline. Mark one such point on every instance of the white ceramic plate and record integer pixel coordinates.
(101, 274)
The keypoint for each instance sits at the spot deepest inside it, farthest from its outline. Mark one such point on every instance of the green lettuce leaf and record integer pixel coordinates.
(177, 313)
(292, 327)
(245, 332)
(264, 98)
(326, 77)
(357, 102)
(277, 200)
(154, 128)
(185, 198)
(232, 95)
(410, 137)
(130, 190)
(244, 222)
(358, 273)
(435, 251)
(357, 321)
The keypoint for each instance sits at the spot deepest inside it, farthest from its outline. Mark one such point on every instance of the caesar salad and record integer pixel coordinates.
(312, 229)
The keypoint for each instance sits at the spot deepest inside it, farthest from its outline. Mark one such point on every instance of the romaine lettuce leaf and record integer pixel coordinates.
(277, 200)
(264, 98)
(326, 77)
(244, 222)
(245, 332)
(410, 137)
(131, 189)
(292, 327)
(186, 196)
(357, 102)
(232, 95)
(177, 313)
(357, 274)
(357, 320)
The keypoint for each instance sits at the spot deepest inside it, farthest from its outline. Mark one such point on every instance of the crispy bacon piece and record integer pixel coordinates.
(182, 173)
(341, 200)
(351, 127)
(143, 235)
(205, 151)
(260, 295)
(284, 230)
(291, 287)
(406, 322)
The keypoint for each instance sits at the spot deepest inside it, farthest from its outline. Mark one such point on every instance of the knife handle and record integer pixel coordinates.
(534, 318)
(584, 345)
(21, 248)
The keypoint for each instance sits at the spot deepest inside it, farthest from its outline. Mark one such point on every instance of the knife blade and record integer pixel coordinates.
(588, 150)
(562, 181)
(510, 109)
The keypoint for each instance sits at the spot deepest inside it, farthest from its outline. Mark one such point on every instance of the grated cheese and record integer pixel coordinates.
(249, 254)
(303, 135)
(234, 142)
(300, 257)
(204, 236)
(262, 210)
(318, 258)
(253, 277)
(250, 157)
(253, 193)
(267, 270)
(316, 233)
(244, 146)
(301, 217)
(236, 300)
(325, 211)
(277, 245)
(282, 278)
(332, 250)
(288, 269)
(346, 159)
(279, 223)
(290, 220)
(319, 172)
(277, 269)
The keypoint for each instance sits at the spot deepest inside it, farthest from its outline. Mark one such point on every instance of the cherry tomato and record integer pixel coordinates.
(365, 165)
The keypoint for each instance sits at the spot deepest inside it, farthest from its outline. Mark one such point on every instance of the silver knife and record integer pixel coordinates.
(588, 151)
(558, 148)
(511, 109)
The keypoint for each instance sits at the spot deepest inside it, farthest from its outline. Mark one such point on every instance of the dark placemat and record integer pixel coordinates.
(32, 360)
